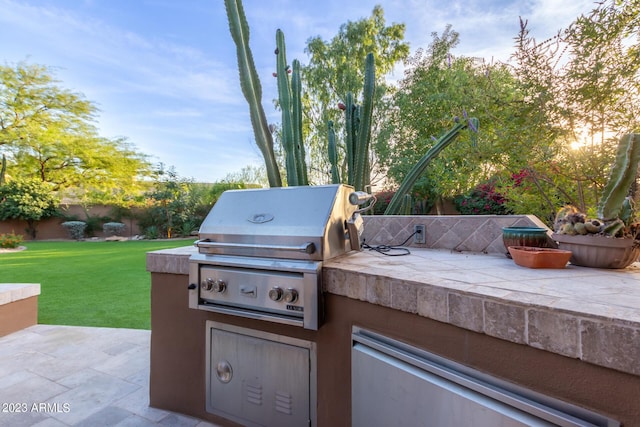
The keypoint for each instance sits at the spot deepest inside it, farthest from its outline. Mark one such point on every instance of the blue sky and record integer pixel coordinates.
(163, 73)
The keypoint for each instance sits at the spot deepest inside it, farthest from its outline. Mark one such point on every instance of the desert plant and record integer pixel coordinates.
(251, 88)
(615, 212)
(3, 169)
(395, 206)
(10, 240)
(75, 229)
(151, 232)
(187, 228)
(113, 228)
(358, 122)
(290, 100)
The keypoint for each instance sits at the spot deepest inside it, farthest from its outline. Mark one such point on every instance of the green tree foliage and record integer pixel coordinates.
(176, 206)
(27, 200)
(436, 88)
(581, 86)
(336, 68)
(251, 176)
(580, 94)
(48, 133)
(169, 208)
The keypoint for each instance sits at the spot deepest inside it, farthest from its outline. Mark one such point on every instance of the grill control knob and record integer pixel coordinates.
(219, 286)
(207, 284)
(290, 295)
(275, 294)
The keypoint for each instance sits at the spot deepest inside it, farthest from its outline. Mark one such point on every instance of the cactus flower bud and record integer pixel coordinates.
(342, 106)
(274, 74)
(277, 51)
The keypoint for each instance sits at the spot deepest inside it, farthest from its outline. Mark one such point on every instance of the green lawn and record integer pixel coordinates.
(87, 283)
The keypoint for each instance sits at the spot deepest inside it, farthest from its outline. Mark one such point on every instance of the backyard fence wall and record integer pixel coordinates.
(51, 228)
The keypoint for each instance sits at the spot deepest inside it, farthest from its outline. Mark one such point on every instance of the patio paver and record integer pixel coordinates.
(52, 376)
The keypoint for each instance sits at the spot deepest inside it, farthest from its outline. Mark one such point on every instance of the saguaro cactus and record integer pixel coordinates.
(251, 88)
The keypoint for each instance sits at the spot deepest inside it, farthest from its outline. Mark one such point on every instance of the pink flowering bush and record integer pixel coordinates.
(482, 200)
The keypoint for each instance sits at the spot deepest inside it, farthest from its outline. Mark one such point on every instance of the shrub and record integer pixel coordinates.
(113, 228)
(187, 228)
(28, 200)
(421, 203)
(482, 200)
(151, 232)
(10, 240)
(75, 229)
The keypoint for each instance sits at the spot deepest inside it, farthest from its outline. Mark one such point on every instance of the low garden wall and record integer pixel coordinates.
(18, 306)
(51, 228)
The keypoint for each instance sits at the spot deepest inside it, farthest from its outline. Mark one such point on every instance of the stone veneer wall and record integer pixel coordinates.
(462, 233)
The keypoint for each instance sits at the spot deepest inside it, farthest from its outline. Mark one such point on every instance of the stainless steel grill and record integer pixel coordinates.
(260, 252)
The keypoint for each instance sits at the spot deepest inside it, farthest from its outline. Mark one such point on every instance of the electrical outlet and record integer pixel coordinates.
(419, 236)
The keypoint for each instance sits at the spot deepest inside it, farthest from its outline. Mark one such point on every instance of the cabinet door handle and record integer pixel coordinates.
(249, 291)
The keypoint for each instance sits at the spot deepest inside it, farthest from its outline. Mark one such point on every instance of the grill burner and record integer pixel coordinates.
(260, 252)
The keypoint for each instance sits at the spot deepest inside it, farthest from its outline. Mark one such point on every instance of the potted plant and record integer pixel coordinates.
(612, 239)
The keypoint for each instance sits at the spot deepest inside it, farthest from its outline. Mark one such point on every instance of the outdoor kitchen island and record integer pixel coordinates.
(570, 334)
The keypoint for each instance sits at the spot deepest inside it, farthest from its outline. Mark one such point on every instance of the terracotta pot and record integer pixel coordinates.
(539, 257)
(599, 251)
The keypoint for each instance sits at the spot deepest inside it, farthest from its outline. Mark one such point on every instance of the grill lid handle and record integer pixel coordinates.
(308, 247)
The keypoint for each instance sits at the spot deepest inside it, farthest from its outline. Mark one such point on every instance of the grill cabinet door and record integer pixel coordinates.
(267, 381)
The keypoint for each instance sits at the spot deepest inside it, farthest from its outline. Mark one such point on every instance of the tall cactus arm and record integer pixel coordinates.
(251, 88)
(296, 114)
(394, 207)
(332, 150)
(364, 129)
(351, 132)
(622, 175)
(3, 169)
(284, 97)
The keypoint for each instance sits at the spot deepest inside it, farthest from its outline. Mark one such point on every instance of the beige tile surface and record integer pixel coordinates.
(591, 314)
(55, 376)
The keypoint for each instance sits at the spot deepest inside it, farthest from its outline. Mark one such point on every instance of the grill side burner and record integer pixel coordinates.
(260, 252)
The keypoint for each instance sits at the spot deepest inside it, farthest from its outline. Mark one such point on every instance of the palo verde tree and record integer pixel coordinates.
(47, 133)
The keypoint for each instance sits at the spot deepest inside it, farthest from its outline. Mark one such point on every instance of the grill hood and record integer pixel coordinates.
(306, 223)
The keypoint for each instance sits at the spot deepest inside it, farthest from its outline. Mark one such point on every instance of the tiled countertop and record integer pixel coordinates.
(11, 292)
(584, 313)
(579, 312)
